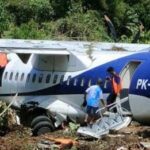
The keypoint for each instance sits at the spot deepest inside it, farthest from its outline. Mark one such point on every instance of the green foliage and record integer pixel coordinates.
(19, 10)
(145, 37)
(60, 7)
(73, 127)
(74, 19)
(25, 31)
(86, 26)
(76, 7)
(143, 11)
(42, 10)
(4, 18)
(25, 10)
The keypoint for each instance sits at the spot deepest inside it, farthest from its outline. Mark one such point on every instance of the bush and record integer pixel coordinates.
(75, 19)
(25, 31)
(4, 18)
(85, 26)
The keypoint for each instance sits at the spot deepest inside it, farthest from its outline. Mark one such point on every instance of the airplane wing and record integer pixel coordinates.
(40, 51)
(63, 47)
(32, 47)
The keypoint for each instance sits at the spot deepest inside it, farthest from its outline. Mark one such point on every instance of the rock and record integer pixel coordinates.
(145, 145)
(122, 148)
(11, 116)
(44, 144)
(134, 123)
(116, 135)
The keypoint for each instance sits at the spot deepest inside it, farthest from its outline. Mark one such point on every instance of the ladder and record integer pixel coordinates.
(108, 120)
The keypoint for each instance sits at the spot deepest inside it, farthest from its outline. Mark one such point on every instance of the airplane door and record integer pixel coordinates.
(126, 76)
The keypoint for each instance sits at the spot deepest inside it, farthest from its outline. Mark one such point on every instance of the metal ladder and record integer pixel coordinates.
(108, 120)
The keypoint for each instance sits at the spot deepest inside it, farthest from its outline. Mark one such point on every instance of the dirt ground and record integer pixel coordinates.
(130, 138)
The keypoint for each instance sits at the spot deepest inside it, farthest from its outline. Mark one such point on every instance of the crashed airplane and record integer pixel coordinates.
(50, 78)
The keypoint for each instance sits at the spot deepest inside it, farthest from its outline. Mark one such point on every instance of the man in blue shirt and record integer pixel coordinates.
(93, 95)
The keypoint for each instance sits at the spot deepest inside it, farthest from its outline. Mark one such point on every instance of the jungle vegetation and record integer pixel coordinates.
(75, 20)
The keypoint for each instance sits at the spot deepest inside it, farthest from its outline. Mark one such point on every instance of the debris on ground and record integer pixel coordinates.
(130, 138)
(145, 145)
(134, 137)
(7, 118)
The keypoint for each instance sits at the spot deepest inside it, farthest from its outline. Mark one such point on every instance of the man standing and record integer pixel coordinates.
(93, 95)
(115, 85)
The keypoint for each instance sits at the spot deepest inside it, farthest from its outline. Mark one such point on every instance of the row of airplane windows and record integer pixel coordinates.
(40, 78)
(32, 77)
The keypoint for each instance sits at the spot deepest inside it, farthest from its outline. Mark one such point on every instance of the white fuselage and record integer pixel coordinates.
(27, 80)
(57, 82)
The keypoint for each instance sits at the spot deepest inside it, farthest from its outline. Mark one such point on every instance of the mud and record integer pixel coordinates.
(130, 138)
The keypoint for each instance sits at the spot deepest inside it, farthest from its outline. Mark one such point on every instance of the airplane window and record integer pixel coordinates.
(68, 80)
(5, 77)
(75, 81)
(61, 79)
(40, 78)
(34, 78)
(16, 77)
(28, 77)
(11, 76)
(90, 82)
(55, 79)
(82, 82)
(48, 78)
(22, 76)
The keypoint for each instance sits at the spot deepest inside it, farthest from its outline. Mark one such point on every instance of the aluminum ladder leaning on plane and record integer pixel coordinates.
(108, 120)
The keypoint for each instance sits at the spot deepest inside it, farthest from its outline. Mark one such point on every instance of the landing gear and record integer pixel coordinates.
(41, 124)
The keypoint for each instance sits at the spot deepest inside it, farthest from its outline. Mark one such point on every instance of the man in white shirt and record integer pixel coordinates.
(93, 96)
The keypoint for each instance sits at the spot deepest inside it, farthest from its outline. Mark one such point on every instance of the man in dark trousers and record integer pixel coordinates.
(93, 95)
(115, 80)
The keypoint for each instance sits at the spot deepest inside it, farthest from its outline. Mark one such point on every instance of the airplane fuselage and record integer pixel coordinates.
(59, 88)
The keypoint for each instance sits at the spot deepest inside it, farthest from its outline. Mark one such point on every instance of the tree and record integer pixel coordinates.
(82, 19)
(28, 30)
(60, 7)
(4, 18)
(42, 10)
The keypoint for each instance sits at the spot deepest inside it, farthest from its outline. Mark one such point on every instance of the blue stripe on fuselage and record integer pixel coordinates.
(94, 74)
